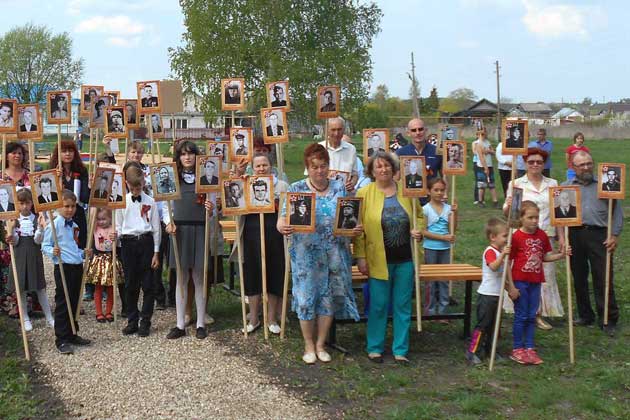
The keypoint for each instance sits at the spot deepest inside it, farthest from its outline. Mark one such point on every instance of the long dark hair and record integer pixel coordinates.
(184, 146)
(77, 163)
(12, 147)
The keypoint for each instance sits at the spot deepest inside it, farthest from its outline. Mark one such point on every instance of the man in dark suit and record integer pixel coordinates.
(565, 210)
(232, 94)
(300, 216)
(209, 178)
(241, 147)
(273, 129)
(101, 192)
(5, 205)
(413, 179)
(234, 196)
(45, 187)
(155, 123)
(612, 183)
(278, 94)
(515, 140)
(149, 101)
(131, 113)
(28, 125)
(329, 105)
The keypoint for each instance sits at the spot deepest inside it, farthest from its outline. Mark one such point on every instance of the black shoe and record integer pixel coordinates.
(201, 333)
(175, 333)
(472, 358)
(144, 329)
(160, 306)
(130, 329)
(80, 341)
(65, 348)
(583, 322)
(609, 329)
(123, 313)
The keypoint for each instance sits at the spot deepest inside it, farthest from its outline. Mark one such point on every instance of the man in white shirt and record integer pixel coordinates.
(342, 155)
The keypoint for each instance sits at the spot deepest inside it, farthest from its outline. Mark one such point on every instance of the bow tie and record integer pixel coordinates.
(68, 223)
(137, 199)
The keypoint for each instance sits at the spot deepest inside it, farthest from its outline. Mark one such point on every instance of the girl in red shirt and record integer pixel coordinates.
(530, 248)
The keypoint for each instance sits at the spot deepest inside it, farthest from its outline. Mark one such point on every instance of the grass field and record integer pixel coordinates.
(438, 384)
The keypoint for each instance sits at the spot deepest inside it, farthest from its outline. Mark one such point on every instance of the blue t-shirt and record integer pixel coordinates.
(438, 224)
(396, 231)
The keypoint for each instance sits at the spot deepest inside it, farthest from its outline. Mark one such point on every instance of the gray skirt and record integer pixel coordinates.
(29, 264)
(191, 242)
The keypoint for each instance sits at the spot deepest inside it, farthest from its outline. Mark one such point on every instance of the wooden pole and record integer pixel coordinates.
(4, 155)
(89, 151)
(31, 155)
(18, 294)
(416, 266)
(216, 242)
(114, 265)
(86, 263)
(263, 262)
(452, 232)
(63, 277)
(567, 261)
(206, 249)
(59, 147)
(608, 262)
(147, 122)
(178, 264)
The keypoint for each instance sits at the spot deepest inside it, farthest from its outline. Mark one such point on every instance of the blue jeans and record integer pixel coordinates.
(438, 290)
(525, 308)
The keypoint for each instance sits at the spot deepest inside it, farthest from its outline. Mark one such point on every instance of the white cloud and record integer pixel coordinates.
(561, 20)
(117, 25)
(77, 7)
(118, 41)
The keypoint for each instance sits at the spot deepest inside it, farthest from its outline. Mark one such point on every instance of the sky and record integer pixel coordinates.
(548, 51)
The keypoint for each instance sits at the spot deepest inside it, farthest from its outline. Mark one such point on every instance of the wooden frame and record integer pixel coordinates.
(374, 139)
(222, 149)
(512, 131)
(98, 111)
(131, 112)
(255, 205)
(282, 101)
(231, 102)
(168, 188)
(158, 133)
(615, 190)
(57, 115)
(116, 200)
(282, 126)
(202, 184)
(11, 211)
(148, 101)
(342, 176)
(9, 125)
(56, 187)
(328, 101)
(231, 204)
(451, 165)
(111, 129)
(238, 153)
(85, 108)
(114, 96)
(345, 224)
(448, 132)
(33, 129)
(414, 185)
(515, 208)
(306, 223)
(574, 209)
(100, 197)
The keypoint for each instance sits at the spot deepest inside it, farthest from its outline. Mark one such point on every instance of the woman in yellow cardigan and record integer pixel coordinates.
(384, 254)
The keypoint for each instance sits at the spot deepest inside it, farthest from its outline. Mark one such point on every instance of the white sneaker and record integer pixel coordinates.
(28, 326)
(274, 328)
(51, 322)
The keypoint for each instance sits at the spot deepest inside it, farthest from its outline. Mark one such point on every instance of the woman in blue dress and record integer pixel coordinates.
(321, 262)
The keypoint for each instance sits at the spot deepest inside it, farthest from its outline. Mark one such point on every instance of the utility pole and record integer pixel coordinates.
(414, 89)
(496, 63)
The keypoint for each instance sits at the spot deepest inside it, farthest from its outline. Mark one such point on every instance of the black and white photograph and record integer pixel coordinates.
(328, 101)
(414, 176)
(478, 124)
(46, 187)
(565, 202)
(58, 107)
(148, 96)
(515, 137)
(118, 192)
(165, 181)
(341, 176)
(449, 132)
(29, 122)
(515, 208)
(89, 93)
(8, 113)
(233, 197)
(301, 211)
(278, 95)
(433, 139)
(155, 125)
(131, 112)
(208, 174)
(240, 144)
(347, 215)
(220, 149)
(454, 158)
(232, 94)
(114, 96)
(611, 181)
(8, 198)
(374, 140)
(99, 108)
(115, 122)
(101, 187)
(274, 125)
(260, 194)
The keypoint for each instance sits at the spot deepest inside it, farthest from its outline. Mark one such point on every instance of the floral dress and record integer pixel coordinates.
(321, 262)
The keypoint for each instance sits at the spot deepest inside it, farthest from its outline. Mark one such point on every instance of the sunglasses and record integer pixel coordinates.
(535, 162)
(415, 130)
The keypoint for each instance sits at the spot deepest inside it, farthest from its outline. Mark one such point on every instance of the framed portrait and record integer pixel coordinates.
(155, 125)
(208, 174)
(515, 208)
(8, 116)
(241, 147)
(448, 132)
(397, 141)
(301, 211)
(148, 96)
(433, 139)
(233, 197)
(115, 122)
(99, 107)
(131, 112)
(46, 187)
(454, 158)
(165, 181)
(278, 95)
(89, 93)
(102, 187)
(374, 140)
(566, 205)
(275, 128)
(347, 215)
(328, 101)
(114, 95)
(8, 198)
(414, 175)
(612, 181)
(29, 121)
(220, 149)
(119, 187)
(233, 94)
(58, 107)
(259, 194)
(342, 176)
(515, 137)
(478, 124)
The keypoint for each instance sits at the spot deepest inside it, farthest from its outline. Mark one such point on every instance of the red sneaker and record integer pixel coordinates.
(532, 357)
(519, 356)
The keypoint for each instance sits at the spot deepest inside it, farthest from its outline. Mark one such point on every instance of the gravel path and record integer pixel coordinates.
(120, 377)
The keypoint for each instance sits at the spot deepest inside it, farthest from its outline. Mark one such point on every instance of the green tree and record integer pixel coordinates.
(463, 94)
(308, 42)
(381, 96)
(35, 61)
(432, 103)
(370, 115)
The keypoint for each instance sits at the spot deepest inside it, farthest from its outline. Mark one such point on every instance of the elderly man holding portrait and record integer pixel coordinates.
(343, 155)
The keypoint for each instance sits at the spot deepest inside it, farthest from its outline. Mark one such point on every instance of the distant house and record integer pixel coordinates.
(484, 109)
(612, 109)
(538, 112)
(566, 116)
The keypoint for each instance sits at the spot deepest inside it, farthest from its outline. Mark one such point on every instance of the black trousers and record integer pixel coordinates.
(506, 176)
(486, 316)
(589, 254)
(74, 274)
(136, 259)
(158, 286)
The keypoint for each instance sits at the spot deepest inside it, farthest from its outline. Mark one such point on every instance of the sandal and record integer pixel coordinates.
(100, 319)
(109, 318)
